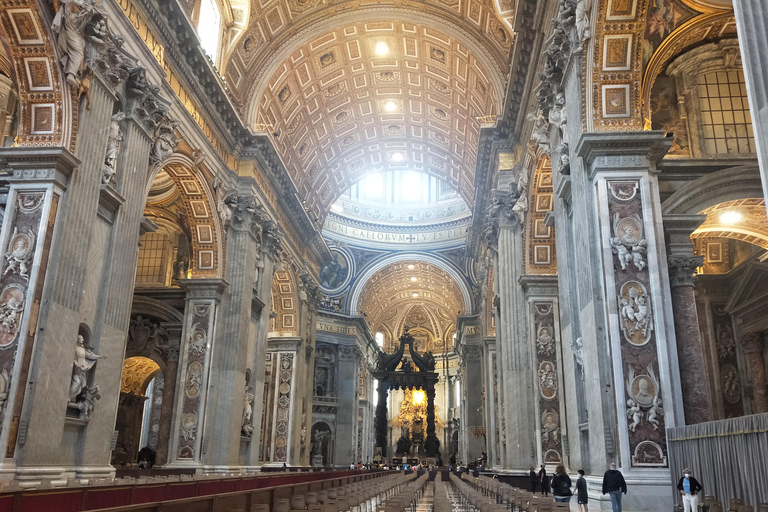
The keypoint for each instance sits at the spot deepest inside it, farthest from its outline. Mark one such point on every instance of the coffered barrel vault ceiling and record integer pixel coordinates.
(388, 296)
(327, 93)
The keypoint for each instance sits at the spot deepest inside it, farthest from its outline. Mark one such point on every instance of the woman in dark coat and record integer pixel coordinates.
(534, 480)
(561, 485)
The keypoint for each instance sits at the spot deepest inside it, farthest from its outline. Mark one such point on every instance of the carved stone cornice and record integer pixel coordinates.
(349, 353)
(36, 163)
(620, 152)
(753, 342)
(682, 270)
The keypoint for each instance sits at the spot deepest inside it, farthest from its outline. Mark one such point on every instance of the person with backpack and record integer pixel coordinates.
(561, 485)
(581, 492)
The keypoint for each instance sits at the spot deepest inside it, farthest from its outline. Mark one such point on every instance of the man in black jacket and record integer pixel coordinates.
(614, 484)
(689, 488)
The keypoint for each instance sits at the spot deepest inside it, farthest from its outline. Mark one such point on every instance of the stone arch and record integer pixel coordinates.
(751, 226)
(48, 113)
(200, 222)
(324, 435)
(445, 265)
(715, 188)
(285, 305)
(539, 238)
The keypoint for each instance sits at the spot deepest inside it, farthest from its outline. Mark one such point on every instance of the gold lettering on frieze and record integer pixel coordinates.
(337, 329)
(472, 330)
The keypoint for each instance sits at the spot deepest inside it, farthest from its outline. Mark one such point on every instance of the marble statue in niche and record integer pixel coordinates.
(540, 134)
(188, 429)
(81, 395)
(247, 425)
(635, 313)
(114, 140)
(577, 346)
(194, 379)
(725, 341)
(628, 242)
(20, 253)
(583, 26)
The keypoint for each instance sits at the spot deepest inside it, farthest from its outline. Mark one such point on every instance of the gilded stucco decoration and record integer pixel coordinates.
(285, 307)
(137, 373)
(46, 114)
(425, 298)
(634, 41)
(540, 238)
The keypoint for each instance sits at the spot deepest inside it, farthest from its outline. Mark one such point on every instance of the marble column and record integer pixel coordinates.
(188, 429)
(473, 388)
(697, 405)
(346, 414)
(166, 411)
(754, 350)
(751, 26)
(380, 421)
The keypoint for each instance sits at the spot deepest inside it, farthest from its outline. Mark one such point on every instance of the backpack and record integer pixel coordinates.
(563, 484)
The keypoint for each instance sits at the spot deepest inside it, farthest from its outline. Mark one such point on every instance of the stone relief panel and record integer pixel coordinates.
(725, 344)
(194, 380)
(283, 408)
(643, 404)
(20, 251)
(548, 380)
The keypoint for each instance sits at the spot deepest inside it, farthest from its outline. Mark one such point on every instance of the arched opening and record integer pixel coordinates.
(138, 421)
(209, 28)
(322, 444)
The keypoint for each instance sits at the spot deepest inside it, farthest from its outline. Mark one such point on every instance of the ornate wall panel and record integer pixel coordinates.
(730, 380)
(548, 378)
(284, 304)
(283, 407)
(642, 404)
(195, 379)
(20, 291)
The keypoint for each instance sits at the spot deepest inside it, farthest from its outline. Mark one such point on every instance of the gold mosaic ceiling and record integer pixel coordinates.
(311, 70)
(389, 303)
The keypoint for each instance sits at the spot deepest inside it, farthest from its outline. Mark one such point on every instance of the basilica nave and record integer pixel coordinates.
(254, 236)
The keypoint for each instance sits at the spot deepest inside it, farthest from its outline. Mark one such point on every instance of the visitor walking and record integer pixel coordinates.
(561, 485)
(689, 488)
(544, 480)
(534, 480)
(614, 484)
(581, 492)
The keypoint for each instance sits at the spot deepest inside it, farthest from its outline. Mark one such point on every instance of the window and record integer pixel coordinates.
(375, 392)
(380, 339)
(725, 116)
(209, 28)
(153, 259)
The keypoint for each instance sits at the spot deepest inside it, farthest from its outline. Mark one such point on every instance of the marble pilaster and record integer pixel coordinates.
(169, 398)
(473, 387)
(38, 183)
(751, 26)
(224, 410)
(754, 350)
(188, 432)
(286, 352)
(347, 412)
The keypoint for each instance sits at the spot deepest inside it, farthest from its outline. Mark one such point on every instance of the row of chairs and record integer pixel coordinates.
(710, 504)
(356, 497)
(406, 499)
(498, 496)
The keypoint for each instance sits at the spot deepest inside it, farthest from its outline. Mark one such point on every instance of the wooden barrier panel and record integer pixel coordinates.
(188, 496)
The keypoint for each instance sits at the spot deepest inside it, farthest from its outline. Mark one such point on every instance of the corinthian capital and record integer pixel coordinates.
(245, 214)
(683, 269)
(502, 211)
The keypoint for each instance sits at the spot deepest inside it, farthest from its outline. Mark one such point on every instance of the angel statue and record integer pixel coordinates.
(655, 412)
(634, 414)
